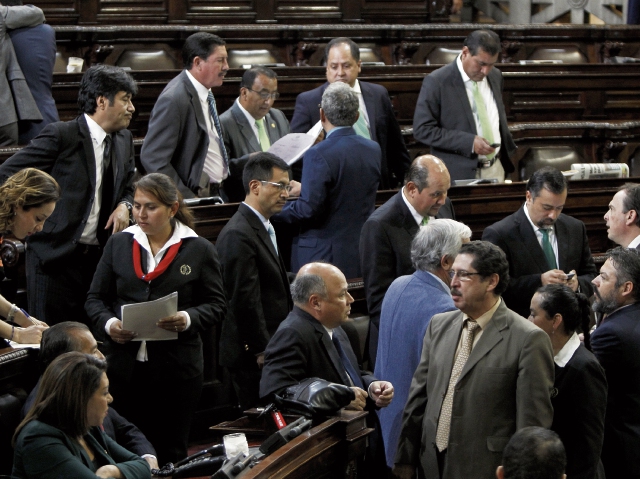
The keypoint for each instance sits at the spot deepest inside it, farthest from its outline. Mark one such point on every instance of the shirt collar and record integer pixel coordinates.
(356, 87)
(465, 77)
(95, 130)
(416, 216)
(484, 319)
(203, 92)
(635, 242)
(566, 353)
(328, 330)
(264, 220)
(180, 231)
(336, 128)
(535, 227)
(252, 121)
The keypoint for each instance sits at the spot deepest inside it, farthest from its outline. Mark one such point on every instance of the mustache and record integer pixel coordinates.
(596, 292)
(455, 292)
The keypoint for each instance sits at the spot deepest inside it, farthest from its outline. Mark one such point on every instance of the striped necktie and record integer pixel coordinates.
(481, 110)
(216, 122)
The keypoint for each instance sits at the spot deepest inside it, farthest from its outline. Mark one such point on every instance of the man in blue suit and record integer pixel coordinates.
(615, 343)
(340, 178)
(408, 306)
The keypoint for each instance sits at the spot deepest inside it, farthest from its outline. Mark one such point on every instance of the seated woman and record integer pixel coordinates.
(61, 434)
(157, 384)
(27, 199)
(580, 394)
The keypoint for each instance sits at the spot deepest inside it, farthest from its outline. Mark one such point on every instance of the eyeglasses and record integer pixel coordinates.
(265, 95)
(462, 275)
(280, 186)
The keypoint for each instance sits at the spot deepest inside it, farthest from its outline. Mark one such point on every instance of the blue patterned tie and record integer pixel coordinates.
(216, 121)
(356, 379)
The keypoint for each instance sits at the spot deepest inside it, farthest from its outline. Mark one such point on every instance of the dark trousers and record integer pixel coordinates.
(246, 384)
(9, 134)
(162, 408)
(58, 292)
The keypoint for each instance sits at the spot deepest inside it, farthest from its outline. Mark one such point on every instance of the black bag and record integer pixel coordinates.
(315, 397)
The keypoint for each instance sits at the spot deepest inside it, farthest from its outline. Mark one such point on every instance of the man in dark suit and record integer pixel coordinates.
(71, 336)
(623, 216)
(485, 372)
(251, 124)
(460, 113)
(615, 342)
(408, 306)
(184, 139)
(543, 245)
(385, 240)
(255, 278)
(533, 453)
(377, 120)
(91, 158)
(340, 178)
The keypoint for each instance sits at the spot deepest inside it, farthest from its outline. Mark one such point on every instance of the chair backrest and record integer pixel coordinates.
(560, 157)
(568, 54)
(442, 55)
(249, 56)
(147, 59)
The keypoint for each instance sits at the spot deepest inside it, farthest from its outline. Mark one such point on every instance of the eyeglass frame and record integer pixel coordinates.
(462, 275)
(266, 95)
(280, 186)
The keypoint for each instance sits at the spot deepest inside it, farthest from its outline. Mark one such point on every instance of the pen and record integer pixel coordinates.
(27, 315)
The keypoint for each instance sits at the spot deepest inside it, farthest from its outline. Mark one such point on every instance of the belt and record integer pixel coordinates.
(84, 249)
(214, 189)
(486, 163)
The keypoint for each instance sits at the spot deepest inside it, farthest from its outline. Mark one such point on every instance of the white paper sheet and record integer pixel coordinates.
(292, 146)
(142, 318)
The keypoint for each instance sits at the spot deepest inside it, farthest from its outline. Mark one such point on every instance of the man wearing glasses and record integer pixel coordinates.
(255, 278)
(251, 124)
(485, 372)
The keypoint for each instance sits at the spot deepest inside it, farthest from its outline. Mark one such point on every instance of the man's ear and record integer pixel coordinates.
(314, 302)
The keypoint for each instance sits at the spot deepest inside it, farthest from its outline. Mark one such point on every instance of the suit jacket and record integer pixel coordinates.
(194, 274)
(615, 344)
(340, 178)
(410, 303)
(45, 452)
(579, 406)
(65, 151)
(301, 349)
(515, 236)
(443, 120)
(256, 286)
(177, 140)
(240, 141)
(35, 49)
(16, 101)
(504, 386)
(383, 126)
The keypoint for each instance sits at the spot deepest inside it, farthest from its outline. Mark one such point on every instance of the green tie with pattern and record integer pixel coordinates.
(262, 135)
(481, 110)
(548, 249)
(361, 126)
(425, 220)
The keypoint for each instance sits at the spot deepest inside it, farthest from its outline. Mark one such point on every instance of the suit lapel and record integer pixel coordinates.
(408, 221)
(461, 93)
(562, 237)
(370, 105)
(450, 339)
(89, 155)
(246, 130)
(531, 244)
(327, 344)
(195, 103)
(272, 130)
(260, 230)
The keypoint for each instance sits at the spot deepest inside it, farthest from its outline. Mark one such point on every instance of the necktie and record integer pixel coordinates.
(425, 220)
(106, 194)
(262, 135)
(548, 249)
(216, 122)
(481, 111)
(361, 126)
(272, 236)
(348, 367)
(444, 422)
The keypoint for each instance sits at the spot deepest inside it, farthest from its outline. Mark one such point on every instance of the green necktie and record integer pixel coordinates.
(425, 220)
(361, 126)
(481, 110)
(262, 135)
(548, 249)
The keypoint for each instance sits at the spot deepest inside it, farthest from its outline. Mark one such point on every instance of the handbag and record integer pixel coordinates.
(315, 397)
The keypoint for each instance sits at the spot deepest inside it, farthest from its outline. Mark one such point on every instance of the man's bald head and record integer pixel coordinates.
(426, 184)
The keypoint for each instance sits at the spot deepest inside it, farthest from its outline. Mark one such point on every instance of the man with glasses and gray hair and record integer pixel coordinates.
(408, 306)
(340, 178)
(485, 372)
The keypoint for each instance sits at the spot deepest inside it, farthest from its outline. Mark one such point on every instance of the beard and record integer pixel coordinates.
(604, 305)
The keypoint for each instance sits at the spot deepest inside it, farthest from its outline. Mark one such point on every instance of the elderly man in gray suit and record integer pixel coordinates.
(484, 373)
(623, 217)
(251, 124)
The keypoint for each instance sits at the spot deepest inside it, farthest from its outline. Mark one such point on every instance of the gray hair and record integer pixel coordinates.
(306, 285)
(340, 104)
(438, 238)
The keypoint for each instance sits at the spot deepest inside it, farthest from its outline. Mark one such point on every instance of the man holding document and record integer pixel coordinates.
(157, 382)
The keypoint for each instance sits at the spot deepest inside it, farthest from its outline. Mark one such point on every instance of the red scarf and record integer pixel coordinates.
(161, 268)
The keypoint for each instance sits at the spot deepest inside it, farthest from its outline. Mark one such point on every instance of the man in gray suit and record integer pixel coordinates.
(484, 373)
(460, 113)
(623, 217)
(251, 124)
(184, 140)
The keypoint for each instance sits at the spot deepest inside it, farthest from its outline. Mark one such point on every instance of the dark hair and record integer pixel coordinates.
(548, 178)
(488, 259)
(260, 167)
(59, 339)
(574, 308)
(534, 453)
(353, 46)
(487, 40)
(418, 173)
(165, 190)
(28, 188)
(201, 44)
(631, 199)
(64, 393)
(250, 75)
(11, 3)
(627, 264)
(106, 81)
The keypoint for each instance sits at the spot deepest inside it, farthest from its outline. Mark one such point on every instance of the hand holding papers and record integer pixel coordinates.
(291, 147)
(142, 318)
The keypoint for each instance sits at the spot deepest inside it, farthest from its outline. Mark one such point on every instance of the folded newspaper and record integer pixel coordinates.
(584, 171)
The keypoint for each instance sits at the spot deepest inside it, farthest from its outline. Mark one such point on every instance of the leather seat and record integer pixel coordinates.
(442, 56)
(147, 59)
(238, 57)
(560, 157)
(569, 54)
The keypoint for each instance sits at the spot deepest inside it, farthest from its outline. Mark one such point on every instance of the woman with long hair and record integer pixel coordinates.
(27, 199)
(579, 397)
(158, 383)
(61, 435)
